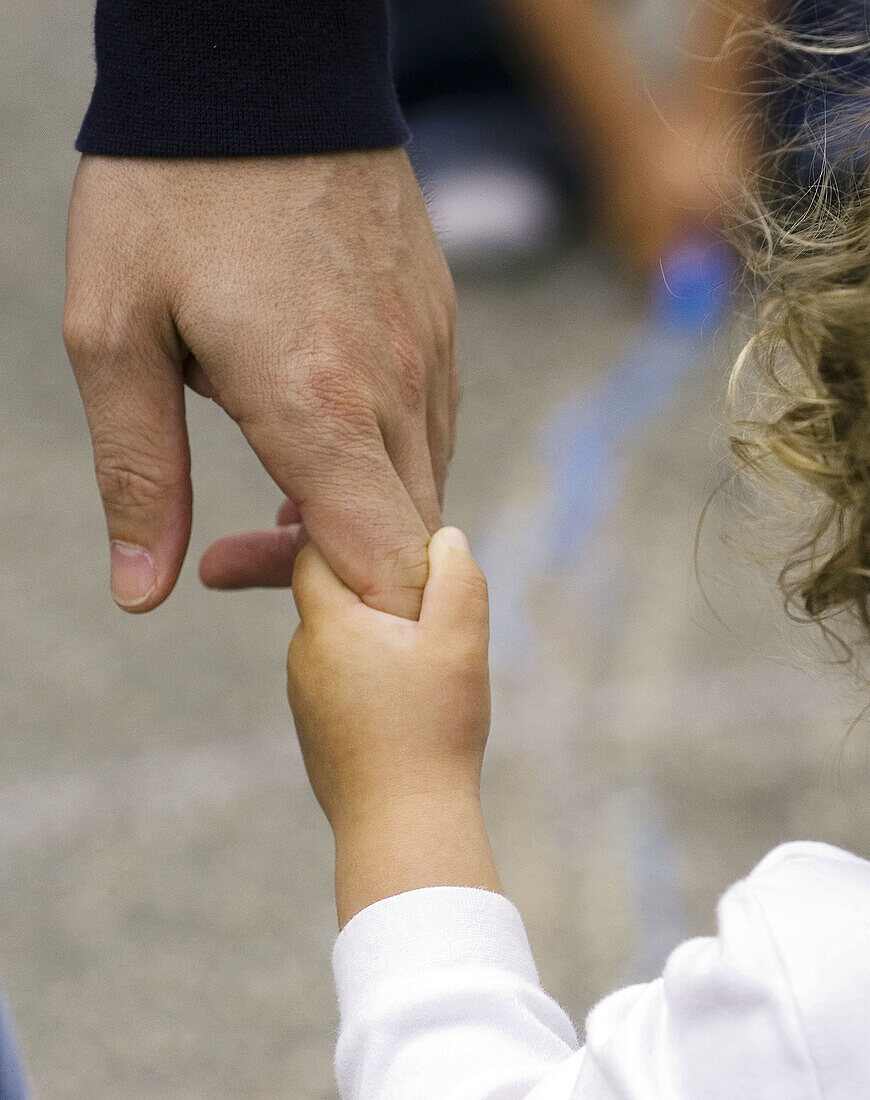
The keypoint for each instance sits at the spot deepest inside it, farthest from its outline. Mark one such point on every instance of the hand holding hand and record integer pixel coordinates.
(386, 708)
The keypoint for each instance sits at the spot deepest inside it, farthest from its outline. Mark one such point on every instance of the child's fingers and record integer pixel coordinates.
(316, 589)
(455, 597)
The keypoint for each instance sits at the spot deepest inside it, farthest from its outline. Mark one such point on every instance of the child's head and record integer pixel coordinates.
(799, 398)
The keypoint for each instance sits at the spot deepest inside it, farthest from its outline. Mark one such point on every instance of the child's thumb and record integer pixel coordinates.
(455, 597)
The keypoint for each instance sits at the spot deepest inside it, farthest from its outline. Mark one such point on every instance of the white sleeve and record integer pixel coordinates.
(440, 1000)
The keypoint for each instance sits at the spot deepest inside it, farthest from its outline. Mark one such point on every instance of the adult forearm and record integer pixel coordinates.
(721, 56)
(580, 58)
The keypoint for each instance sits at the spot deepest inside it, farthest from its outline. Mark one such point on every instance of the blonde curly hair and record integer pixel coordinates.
(799, 393)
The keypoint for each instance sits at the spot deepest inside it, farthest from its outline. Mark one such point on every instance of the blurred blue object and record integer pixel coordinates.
(13, 1085)
(582, 443)
(693, 291)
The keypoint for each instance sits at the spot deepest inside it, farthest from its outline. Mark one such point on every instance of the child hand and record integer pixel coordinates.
(387, 709)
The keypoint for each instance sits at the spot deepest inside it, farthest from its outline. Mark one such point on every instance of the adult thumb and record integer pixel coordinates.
(134, 402)
(455, 598)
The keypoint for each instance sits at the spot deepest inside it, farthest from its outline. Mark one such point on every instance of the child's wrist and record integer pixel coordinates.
(410, 840)
(401, 797)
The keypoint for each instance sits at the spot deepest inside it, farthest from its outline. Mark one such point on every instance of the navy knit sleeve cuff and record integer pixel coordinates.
(225, 78)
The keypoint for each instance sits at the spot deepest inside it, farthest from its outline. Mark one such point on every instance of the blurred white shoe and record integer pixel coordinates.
(485, 213)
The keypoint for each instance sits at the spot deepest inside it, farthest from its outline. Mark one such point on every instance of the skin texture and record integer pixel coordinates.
(308, 297)
(392, 718)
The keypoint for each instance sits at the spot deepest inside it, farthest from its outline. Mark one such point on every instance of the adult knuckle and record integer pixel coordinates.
(452, 304)
(134, 480)
(82, 338)
(442, 310)
(121, 483)
(326, 376)
(410, 557)
(330, 393)
(402, 573)
(89, 334)
(444, 337)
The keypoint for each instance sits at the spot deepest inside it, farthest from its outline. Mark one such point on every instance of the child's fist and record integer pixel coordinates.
(387, 708)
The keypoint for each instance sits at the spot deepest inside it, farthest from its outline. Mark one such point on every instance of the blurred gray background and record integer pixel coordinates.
(166, 915)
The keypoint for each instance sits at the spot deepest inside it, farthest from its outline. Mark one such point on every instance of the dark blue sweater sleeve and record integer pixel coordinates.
(230, 78)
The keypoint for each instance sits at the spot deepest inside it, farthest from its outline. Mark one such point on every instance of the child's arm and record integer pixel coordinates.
(438, 990)
(393, 718)
(437, 987)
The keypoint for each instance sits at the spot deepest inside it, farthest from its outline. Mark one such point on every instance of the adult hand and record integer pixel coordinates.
(308, 297)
